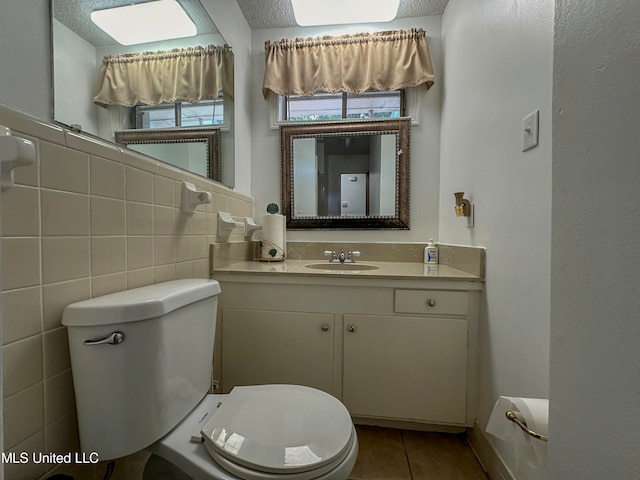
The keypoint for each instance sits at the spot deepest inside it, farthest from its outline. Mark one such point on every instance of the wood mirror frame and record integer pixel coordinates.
(400, 127)
(209, 136)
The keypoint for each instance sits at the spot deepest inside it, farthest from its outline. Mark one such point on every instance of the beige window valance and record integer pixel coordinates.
(152, 78)
(349, 63)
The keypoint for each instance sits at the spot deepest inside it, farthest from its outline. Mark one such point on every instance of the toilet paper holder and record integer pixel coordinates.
(523, 425)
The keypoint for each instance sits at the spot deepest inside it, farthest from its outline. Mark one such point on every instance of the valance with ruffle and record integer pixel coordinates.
(153, 78)
(349, 63)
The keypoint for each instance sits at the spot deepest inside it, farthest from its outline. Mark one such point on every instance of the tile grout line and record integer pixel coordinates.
(406, 454)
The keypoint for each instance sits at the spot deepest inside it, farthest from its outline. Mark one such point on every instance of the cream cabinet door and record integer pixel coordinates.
(407, 368)
(262, 347)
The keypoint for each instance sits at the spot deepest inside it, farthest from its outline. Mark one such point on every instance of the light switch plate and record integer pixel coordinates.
(530, 131)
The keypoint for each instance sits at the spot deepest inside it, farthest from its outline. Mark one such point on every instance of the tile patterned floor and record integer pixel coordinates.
(390, 454)
(385, 454)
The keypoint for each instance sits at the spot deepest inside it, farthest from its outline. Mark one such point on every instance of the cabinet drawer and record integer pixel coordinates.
(431, 302)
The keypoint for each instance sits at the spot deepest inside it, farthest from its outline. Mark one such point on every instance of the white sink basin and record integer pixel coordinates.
(350, 267)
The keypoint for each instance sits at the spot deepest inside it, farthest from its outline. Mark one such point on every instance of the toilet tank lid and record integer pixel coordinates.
(139, 303)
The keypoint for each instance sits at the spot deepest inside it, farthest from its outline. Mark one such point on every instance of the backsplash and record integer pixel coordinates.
(85, 220)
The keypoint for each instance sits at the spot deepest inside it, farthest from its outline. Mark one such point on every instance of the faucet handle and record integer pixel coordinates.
(355, 253)
(332, 254)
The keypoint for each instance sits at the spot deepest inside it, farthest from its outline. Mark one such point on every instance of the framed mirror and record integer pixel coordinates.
(196, 150)
(78, 50)
(346, 175)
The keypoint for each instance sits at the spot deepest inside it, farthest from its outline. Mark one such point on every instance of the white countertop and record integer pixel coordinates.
(386, 270)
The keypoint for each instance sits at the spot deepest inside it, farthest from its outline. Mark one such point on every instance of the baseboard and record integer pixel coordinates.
(405, 425)
(487, 455)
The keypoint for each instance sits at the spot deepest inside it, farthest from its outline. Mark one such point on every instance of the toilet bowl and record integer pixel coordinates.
(187, 451)
(141, 364)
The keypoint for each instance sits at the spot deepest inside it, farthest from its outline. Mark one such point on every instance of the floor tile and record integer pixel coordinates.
(381, 455)
(441, 456)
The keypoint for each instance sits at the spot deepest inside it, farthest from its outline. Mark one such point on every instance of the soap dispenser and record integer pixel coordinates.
(431, 253)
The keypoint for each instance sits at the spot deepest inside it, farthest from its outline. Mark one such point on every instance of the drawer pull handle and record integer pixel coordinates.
(351, 328)
(431, 302)
(325, 327)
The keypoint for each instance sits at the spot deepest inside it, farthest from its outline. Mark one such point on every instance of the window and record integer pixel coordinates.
(337, 106)
(179, 114)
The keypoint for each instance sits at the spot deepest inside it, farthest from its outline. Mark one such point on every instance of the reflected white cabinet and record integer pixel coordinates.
(391, 350)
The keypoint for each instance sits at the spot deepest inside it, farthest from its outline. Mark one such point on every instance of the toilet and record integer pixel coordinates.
(141, 365)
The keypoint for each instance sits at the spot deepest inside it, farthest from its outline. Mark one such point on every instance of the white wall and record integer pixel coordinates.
(234, 28)
(74, 79)
(498, 69)
(387, 172)
(1, 343)
(595, 278)
(305, 177)
(425, 138)
(25, 75)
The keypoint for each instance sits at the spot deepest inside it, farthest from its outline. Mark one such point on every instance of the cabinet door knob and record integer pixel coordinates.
(431, 302)
(325, 327)
(351, 328)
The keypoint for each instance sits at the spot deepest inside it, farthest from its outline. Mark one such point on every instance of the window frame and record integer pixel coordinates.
(136, 117)
(413, 107)
(282, 107)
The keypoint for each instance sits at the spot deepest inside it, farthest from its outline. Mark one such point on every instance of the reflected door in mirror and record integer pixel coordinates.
(332, 173)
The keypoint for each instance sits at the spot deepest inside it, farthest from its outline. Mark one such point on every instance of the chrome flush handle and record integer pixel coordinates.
(114, 338)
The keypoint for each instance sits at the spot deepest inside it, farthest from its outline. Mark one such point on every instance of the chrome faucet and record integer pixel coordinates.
(341, 258)
(332, 254)
(350, 256)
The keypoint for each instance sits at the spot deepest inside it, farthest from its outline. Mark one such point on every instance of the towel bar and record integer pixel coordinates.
(512, 416)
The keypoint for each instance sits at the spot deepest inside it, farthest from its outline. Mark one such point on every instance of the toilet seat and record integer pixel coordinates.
(267, 431)
(197, 462)
(249, 474)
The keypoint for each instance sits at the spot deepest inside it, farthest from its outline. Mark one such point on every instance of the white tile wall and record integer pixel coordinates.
(86, 220)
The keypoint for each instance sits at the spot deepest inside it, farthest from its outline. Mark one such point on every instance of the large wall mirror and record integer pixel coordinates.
(184, 149)
(78, 49)
(346, 175)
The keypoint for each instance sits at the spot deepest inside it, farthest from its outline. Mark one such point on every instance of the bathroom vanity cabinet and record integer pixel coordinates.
(396, 349)
(277, 346)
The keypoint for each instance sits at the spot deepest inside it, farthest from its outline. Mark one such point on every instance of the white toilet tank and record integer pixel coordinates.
(141, 360)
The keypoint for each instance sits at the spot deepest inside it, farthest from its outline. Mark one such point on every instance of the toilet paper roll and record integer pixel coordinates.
(273, 241)
(535, 413)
